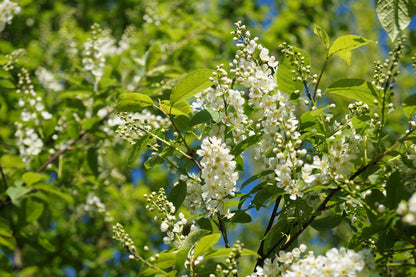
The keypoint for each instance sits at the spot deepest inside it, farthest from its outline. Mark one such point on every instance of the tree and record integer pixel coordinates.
(155, 130)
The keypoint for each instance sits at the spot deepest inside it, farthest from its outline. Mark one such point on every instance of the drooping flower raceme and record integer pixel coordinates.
(336, 262)
(7, 10)
(218, 174)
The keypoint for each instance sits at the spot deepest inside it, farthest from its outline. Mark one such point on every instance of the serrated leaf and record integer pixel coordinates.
(343, 45)
(133, 102)
(319, 31)
(201, 117)
(326, 223)
(394, 16)
(192, 84)
(356, 89)
(205, 243)
(409, 105)
(30, 178)
(178, 108)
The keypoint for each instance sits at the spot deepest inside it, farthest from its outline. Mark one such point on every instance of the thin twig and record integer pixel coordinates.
(223, 231)
(332, 192)
(57, 155)
(268, 228)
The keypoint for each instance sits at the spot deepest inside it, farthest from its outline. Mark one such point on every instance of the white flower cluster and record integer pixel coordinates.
(29, 100)
(176, 230)
(335, 263)
(93, 203)
(30, 144)
(47, 80)
(7, 10)
(280, 147)
(218, 173)
(94, 52)
(408, 211)
(133, 126)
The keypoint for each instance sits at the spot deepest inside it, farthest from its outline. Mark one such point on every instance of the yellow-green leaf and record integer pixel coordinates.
(342, 46)
(133, 102)
(192, 84)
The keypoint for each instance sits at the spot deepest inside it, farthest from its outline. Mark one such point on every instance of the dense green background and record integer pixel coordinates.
(46, 233)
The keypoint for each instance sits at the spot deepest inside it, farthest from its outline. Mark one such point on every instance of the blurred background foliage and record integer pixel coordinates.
(65, 230)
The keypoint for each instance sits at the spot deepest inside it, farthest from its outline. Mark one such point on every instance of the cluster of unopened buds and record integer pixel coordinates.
(176, 230)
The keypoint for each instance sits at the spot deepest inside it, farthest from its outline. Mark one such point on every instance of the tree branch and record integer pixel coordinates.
(52, 159)
(332, 192)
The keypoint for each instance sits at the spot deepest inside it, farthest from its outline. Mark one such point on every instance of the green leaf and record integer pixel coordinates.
(182, 122)
(409, 105)
(356, 89)
(177, 194)
(326, 223)
(255, 177)
(225, 252)
(154, 160)
(241, 217)
(319, 31)
(138, 148)
(51, 189)
(6, 84)
(92, 159)
(33, 209)
(342, 46)
(194, 236)
(178, 108)
(243, 145)
(201, 117)
(30, 178)
(284, 76)
(395, 190)
(73, 130)
(10, 161)
(394, 16)
(133, 102)
(192, 84)
(165, 260)
(15, 192)
(205, 243)
(153, 55)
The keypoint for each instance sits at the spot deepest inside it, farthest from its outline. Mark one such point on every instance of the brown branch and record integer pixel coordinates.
(57, 155)
(268, 228)
(223, 231)
(332, 192)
